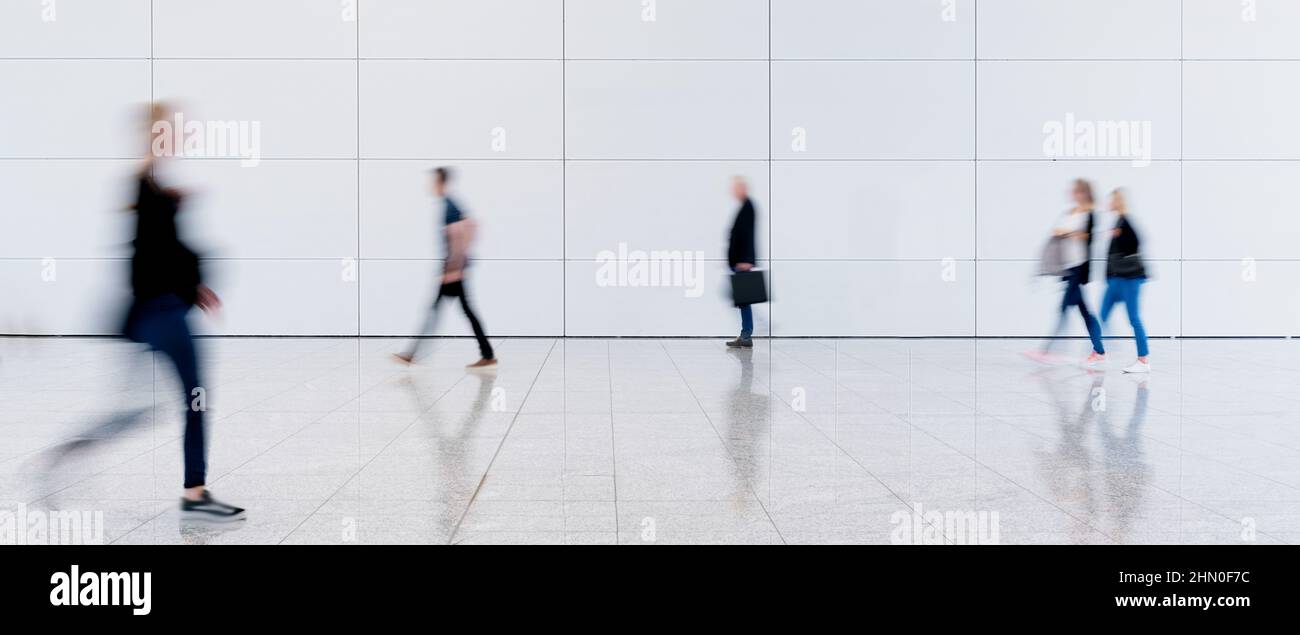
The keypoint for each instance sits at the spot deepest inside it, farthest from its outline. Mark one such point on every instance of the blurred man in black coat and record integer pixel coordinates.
(741, 256)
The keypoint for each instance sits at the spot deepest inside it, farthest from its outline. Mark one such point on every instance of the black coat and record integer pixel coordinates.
(741, 247)
(161, 264)
(1122, 258)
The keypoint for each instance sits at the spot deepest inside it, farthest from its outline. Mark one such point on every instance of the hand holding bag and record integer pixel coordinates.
(748, 287)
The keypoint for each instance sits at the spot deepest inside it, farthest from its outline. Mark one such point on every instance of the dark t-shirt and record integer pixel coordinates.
(451, 214)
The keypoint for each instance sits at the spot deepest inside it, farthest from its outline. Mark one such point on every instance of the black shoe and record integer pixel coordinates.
(209, 509)
(741, 342)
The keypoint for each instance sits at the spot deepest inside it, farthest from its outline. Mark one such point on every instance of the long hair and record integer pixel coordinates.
(1082, 186)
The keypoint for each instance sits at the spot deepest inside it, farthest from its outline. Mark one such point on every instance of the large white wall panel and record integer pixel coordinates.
(1068, 29)
(840, 29)
(1237, 298)
(1242, 110)
(671, 29)
(1241, 209)
(1020, 201)
(75, 296)
(253, 29)
(510, 298)
(67, 208)
(73, 108)
(518, 205)
(666, 110)
(873, 298)
(658, 205)
(1232, 29)
(466, 110)
(480, 29)
(283, 297)
(873, 110)
(1017, 100)
(304, 108)
(278, 209)
(74, 28)
(846, 210)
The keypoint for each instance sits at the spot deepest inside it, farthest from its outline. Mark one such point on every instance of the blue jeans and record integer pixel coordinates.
(1126, 290)
(161, 323)
(1074, 298)
(746, 319)
(746, 322)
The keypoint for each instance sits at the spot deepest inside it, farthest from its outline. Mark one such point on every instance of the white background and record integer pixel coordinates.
(924, 152)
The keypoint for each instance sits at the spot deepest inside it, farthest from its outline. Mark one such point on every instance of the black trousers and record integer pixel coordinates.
(161, 323)
(453, 290)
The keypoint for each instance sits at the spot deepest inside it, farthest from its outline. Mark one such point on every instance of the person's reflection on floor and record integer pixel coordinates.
(746, 427)
(1126, 472)
(1067, 470)
(455, 442)
(1071, 471)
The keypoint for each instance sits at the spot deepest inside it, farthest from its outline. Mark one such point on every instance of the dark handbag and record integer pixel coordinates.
(1129, 266)
(748, 287)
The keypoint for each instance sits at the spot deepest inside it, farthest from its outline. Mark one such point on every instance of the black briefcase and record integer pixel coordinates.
(748, 287)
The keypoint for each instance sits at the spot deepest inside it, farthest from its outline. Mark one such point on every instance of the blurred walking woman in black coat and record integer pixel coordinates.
(165, 284)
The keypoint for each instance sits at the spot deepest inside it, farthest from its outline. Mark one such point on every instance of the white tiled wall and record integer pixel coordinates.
(895, 149)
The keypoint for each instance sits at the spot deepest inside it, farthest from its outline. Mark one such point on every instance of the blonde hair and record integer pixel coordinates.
(1121, 198)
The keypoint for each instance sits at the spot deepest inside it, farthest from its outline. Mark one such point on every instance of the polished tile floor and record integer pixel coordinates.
(585, 441)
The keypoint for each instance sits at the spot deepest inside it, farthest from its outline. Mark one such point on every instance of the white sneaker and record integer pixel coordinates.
(1139, 367)
(1095, 362)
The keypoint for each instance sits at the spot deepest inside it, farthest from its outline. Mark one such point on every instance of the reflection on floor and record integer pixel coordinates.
(670, 441)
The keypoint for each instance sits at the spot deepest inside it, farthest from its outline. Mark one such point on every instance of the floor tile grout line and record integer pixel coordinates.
(836, 444)
(725, 446)
(360, 468)
(1178, 496)
(451, 539)
(1003, 419)
(564, 436)
(613, 440)
(911, 425)
(153, 426)
(230, 471)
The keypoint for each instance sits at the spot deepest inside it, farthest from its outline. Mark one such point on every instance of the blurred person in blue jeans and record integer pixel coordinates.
(165, 285)
(1125, 275)
(1074, 231)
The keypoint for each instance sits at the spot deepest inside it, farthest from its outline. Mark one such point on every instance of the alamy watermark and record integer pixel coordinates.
(637, 268)
(920, 527)
(208, 139)
(24, 526)
(1108, 139)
